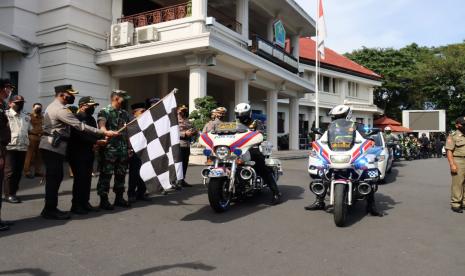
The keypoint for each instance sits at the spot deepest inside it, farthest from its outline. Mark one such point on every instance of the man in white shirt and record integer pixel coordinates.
(16, 150)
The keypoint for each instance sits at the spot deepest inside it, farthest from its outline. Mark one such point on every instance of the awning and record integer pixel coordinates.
(11, 43)
(386, 121)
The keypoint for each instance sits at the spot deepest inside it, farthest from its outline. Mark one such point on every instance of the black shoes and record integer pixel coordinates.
(144, 197)
(13, 199)
(315, 206)
(5, 225)
(185, 184)
(105, 204)
(90, 208)
(371, 209)
(55, 214)
(276, 199)
(132, 199)
(457, 210)
(79, 210)
(121, 202)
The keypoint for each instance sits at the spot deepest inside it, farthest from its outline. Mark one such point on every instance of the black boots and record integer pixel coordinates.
(105, 204)
(55, 214)
(276, 198)
(319, 204)
(371, 206)
(120, 201)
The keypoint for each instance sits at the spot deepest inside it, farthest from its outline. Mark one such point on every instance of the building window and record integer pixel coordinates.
(328, 85)
(14, 79)
(353, 89)
(280, 122)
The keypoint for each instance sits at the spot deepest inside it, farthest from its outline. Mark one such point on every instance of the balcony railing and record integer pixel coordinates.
(225, 19)
(160, 15)
(273, 53)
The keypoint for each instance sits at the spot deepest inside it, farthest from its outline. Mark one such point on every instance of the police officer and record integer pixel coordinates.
(33, 156)
(5, 137)
(218, 115)
(114, 156)
(81, 157)
(136, 186)
(186, 132)
(455, 147)
(58, 121)
(337, 113)
(243, 113)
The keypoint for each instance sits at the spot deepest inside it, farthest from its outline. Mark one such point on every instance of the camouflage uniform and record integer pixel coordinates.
(113, 159)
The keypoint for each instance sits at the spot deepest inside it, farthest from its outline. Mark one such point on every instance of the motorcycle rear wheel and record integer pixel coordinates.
(340, 205)
(219, 195)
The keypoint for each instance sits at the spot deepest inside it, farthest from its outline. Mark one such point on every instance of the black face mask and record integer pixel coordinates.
(70, 99)
(90, 110)
(462, 129)
(38, 110)
(18, 107)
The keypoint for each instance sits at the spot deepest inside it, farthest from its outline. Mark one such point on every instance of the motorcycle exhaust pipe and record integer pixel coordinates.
(317, 188)
(205, 173)
(364, 188)
(246, 174)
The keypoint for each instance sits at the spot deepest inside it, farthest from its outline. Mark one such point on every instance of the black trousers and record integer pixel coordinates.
(262, 170)
(14, 164)
(53, 177)
(82, 165)
(2, 167)
(136, 186)
(185, 153)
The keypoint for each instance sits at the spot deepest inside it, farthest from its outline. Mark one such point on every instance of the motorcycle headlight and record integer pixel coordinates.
(222, 152)
(381, 157)
(340, 158)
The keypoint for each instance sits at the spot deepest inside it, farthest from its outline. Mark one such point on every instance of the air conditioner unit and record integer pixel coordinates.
(147, 34)
(122, 34)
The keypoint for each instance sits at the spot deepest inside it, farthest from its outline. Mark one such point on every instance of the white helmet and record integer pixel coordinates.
(341, 111)
(243, 111)
(388, 128)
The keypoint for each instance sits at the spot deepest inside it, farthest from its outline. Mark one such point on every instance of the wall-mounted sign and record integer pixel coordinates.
(279, 34)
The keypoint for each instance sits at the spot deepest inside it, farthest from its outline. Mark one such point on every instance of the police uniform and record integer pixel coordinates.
(113, 159)
(33, 155)
(81, 160)
(58, 121)
(16, 150)
(185, 143)
(136, 186)
(456, 144)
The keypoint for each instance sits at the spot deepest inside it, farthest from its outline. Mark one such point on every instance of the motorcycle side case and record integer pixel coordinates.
(274, 162)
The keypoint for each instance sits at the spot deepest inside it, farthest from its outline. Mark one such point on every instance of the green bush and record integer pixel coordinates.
(202, 114)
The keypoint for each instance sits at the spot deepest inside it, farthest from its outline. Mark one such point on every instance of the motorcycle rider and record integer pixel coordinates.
(243, 113)
(390, 139)
(344, 112)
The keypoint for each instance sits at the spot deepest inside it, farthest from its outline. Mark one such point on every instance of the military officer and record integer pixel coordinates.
(218, 115)
(58, 121)
(5, 137)
(114, 156)
(33, 156)
(455, 147)
(186, 132)
(81, 157)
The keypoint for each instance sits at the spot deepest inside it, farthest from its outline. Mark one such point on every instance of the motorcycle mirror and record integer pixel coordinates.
(373, 131)
(318, 131)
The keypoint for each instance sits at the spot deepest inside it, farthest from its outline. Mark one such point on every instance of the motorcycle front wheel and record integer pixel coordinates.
(219, 195)
(340, 205)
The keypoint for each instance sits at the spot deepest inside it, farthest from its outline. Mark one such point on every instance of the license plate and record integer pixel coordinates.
(216, 172)
(227, 126)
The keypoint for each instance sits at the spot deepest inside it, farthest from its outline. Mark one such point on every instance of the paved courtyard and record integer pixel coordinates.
(179, 234)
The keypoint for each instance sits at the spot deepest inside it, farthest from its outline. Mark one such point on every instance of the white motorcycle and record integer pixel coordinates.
(343, 164)
(232, 174)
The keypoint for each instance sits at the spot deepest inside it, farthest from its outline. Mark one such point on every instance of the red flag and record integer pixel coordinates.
(321, 35)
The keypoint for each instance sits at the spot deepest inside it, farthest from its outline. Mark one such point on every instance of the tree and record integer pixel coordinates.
(202, 114)
(397, 68)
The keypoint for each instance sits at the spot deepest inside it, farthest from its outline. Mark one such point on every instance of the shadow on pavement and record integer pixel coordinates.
(26, 271)
(358, 211)
(193, 266)
(391, 177)
(246, 207)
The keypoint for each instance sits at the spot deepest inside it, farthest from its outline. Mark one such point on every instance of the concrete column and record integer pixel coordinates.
(199, 11)
(163, 86)
(370, 95)
(242, 16)
(197, 84)
(116, 10)
(295, 43)
(343, 90)
(270, 30)
(294, 123)
(241, 91)
(272, 117)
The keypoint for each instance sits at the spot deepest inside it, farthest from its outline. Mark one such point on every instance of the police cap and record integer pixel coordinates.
(6, 83)
(87, 100)
(120, 93)
(65, 88)
(17, 99)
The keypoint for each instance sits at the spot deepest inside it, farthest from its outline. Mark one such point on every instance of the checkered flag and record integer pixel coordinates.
(154, 137)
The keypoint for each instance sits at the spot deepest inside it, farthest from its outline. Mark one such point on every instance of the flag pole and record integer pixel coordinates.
(174, 91)
(317, 79)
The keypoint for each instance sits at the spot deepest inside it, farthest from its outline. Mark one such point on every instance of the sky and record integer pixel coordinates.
(352, 24)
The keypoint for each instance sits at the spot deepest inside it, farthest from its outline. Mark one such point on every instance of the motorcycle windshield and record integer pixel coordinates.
(341, 135)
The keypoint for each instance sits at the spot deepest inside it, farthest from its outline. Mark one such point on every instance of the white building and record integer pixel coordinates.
(227, 49)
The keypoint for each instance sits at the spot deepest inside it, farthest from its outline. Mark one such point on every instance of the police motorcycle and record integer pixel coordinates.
(343, 164)
(232, 175)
